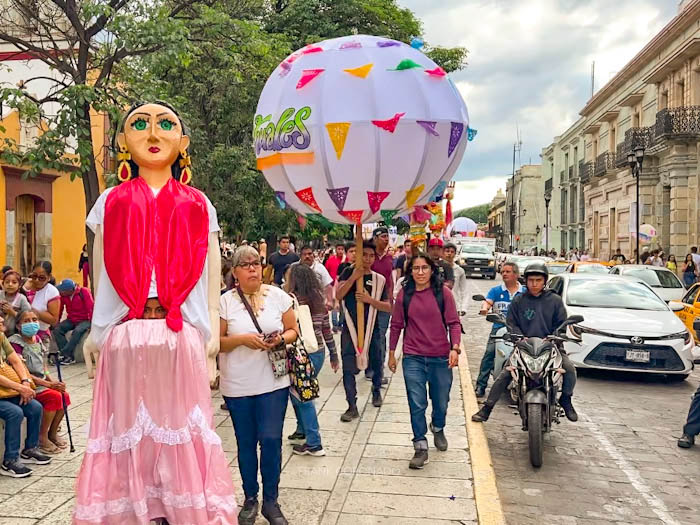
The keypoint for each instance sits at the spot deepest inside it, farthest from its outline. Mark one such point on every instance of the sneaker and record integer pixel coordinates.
(15, 469)
(480, 391)
(297, 436)
(385, 381)
(686, 441)
(350, 414)
(306, 450)
(223, 406)
(249, 512)
(368, 377)
(565, 402)
(376, 399)
(419, 459)
(439, 438)
(483, 414)
(271, 512)
(32, 455)
(67, 361)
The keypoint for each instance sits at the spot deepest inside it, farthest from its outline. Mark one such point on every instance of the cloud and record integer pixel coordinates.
(470, 193)
(529, 65)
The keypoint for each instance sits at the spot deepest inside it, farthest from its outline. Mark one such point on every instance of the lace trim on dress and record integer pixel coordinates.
(97, 511)
(145, 426)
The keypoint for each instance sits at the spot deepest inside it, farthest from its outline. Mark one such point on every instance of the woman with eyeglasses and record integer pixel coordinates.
(257, 322)
(44, 298)
(426, 312)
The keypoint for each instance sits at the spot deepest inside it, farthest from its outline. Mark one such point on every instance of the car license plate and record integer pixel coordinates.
(638, 356)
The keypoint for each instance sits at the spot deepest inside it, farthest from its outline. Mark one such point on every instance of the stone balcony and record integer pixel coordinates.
(604, 163)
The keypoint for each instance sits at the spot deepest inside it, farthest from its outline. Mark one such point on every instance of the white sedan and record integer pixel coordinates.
(663, 281)
(626, 326)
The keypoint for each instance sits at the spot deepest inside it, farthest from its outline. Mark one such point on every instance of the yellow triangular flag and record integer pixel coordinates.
(412, 195)
(338, 132)
(361, 71)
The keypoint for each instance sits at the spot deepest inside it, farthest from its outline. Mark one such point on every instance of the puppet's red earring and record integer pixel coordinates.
(124, 169)
(185, 166)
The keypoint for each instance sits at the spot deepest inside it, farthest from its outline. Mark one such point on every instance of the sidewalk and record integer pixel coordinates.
(363, 480)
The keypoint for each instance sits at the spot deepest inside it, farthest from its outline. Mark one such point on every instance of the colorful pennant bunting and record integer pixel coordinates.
(319, 219)
(375, 199)
(413, 194)
(353, 216)
(281, 202)
(311, 49)
(302, 221)
(307, 75)
(338, 196)
(471, 134)
(388, 43)
(354, 44)
(455, 135)
(437, 72)
(405, 64)
(429, 126)
(388, 216)
(390, 124)
(420, 214)
(338, 132)
(361, 71)
(438, 192)
(306, 196)
(417, 42)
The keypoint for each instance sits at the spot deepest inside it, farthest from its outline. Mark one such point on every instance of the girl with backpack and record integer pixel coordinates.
(429, 353)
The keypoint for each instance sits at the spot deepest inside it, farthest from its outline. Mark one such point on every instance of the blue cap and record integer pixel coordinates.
(66, 285)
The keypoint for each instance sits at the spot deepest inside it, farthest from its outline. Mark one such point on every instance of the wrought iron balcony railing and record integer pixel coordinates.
(604, 163)
(585, 171)
(571, 172)
(548, 186)
(634, 138)
(674, 122)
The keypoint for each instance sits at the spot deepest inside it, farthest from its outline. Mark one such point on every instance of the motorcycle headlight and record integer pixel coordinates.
(535, 364)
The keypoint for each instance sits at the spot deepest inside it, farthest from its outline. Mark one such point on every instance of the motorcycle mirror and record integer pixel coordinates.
(478, 297)
(495, 318)
(574, 319)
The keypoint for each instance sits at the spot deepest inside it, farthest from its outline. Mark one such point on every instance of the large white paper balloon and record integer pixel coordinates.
(462, 225)
(359, 128)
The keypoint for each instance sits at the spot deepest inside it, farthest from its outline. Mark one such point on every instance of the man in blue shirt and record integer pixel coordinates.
(498, 300)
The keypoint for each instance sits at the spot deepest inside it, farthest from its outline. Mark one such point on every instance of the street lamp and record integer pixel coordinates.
(547, 198)
(635, 160)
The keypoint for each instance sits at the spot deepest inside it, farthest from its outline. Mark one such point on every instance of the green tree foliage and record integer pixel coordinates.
(479, 214)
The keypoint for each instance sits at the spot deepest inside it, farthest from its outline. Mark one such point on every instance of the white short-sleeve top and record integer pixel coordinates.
(110, 309)
(42, 298)
(244, 371)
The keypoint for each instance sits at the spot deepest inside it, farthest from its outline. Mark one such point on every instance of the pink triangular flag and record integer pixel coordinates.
(307, 75)
(353, 216)
(311, 49)
(375, 199)
(437, 72)
(390, 124)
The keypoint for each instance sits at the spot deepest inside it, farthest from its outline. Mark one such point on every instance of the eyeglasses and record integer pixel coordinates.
(249, 265)
(421, 269)
(38, 277)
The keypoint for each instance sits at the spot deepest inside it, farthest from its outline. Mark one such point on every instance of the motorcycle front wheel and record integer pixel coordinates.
(535, 434)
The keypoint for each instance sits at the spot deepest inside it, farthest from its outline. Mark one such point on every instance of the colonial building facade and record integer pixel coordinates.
(524, 208)
(497, 218)
(652, 103)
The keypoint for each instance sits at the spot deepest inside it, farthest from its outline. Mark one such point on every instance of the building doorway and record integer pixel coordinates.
(25, 234)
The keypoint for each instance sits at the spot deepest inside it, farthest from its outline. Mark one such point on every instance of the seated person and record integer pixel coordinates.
(78, 304)
(48, 392)
(154, 310)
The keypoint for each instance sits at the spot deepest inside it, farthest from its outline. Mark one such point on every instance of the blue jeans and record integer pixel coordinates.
(383, 319)
(417, 372)
(67, 348)
(259, 419)
(688, 279)
(13, 413)
(692, 424)
(350, 370)
(335, 319)
(307, 420)
(487, 361)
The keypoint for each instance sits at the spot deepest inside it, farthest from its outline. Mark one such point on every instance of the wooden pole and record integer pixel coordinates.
(360, 286)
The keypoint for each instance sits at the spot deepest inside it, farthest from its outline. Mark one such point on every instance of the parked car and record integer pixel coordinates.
(556, 267)
(690, 313)
(662, 280)
(627, 326)
(477, 260)
(523, 261)
(588, 267)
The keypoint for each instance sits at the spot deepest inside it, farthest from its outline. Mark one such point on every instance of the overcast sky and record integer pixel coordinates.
(530, 66)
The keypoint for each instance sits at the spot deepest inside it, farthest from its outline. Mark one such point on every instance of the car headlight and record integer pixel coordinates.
(492, 263)
(535, 364)
(688, 337)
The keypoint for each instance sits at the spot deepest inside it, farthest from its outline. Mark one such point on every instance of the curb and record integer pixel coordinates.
(488, 503)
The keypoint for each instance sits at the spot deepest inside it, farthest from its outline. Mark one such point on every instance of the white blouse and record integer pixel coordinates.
(110, 309)
(245, 371)
(41, 301)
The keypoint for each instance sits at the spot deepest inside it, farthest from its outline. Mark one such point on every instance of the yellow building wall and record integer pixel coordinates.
(68, 227)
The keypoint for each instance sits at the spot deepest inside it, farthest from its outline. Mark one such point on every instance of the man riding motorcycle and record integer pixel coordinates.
(536, 313)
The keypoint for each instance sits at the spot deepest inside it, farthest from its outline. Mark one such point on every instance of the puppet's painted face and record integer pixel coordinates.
(154, 136)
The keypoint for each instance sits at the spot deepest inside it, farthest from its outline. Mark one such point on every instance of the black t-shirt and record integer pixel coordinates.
(445, 271)
(341, 268)
(280, 263)
(349, 301)
(400, 262)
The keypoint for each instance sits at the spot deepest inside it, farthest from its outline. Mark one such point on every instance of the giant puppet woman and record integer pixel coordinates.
(152, 453)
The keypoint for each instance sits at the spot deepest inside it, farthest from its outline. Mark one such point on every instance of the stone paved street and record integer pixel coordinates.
(618, 464)
(363, 480)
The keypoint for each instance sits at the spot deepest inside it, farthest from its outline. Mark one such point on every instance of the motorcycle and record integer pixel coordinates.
(536, 367)
(503, 348)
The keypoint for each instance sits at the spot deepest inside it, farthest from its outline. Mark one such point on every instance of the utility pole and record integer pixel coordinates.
(592, 78)
(517, 146)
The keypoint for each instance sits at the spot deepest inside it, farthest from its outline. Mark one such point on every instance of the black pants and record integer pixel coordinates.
(692, 425)
(503, 379)
(350, 370)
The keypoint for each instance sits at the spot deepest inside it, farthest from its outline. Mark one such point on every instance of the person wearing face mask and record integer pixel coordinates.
(44, 298)
(12, 303)
(48, 392)
(13, 410)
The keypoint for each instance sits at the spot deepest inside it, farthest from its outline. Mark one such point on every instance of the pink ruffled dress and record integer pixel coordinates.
(152, 451)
